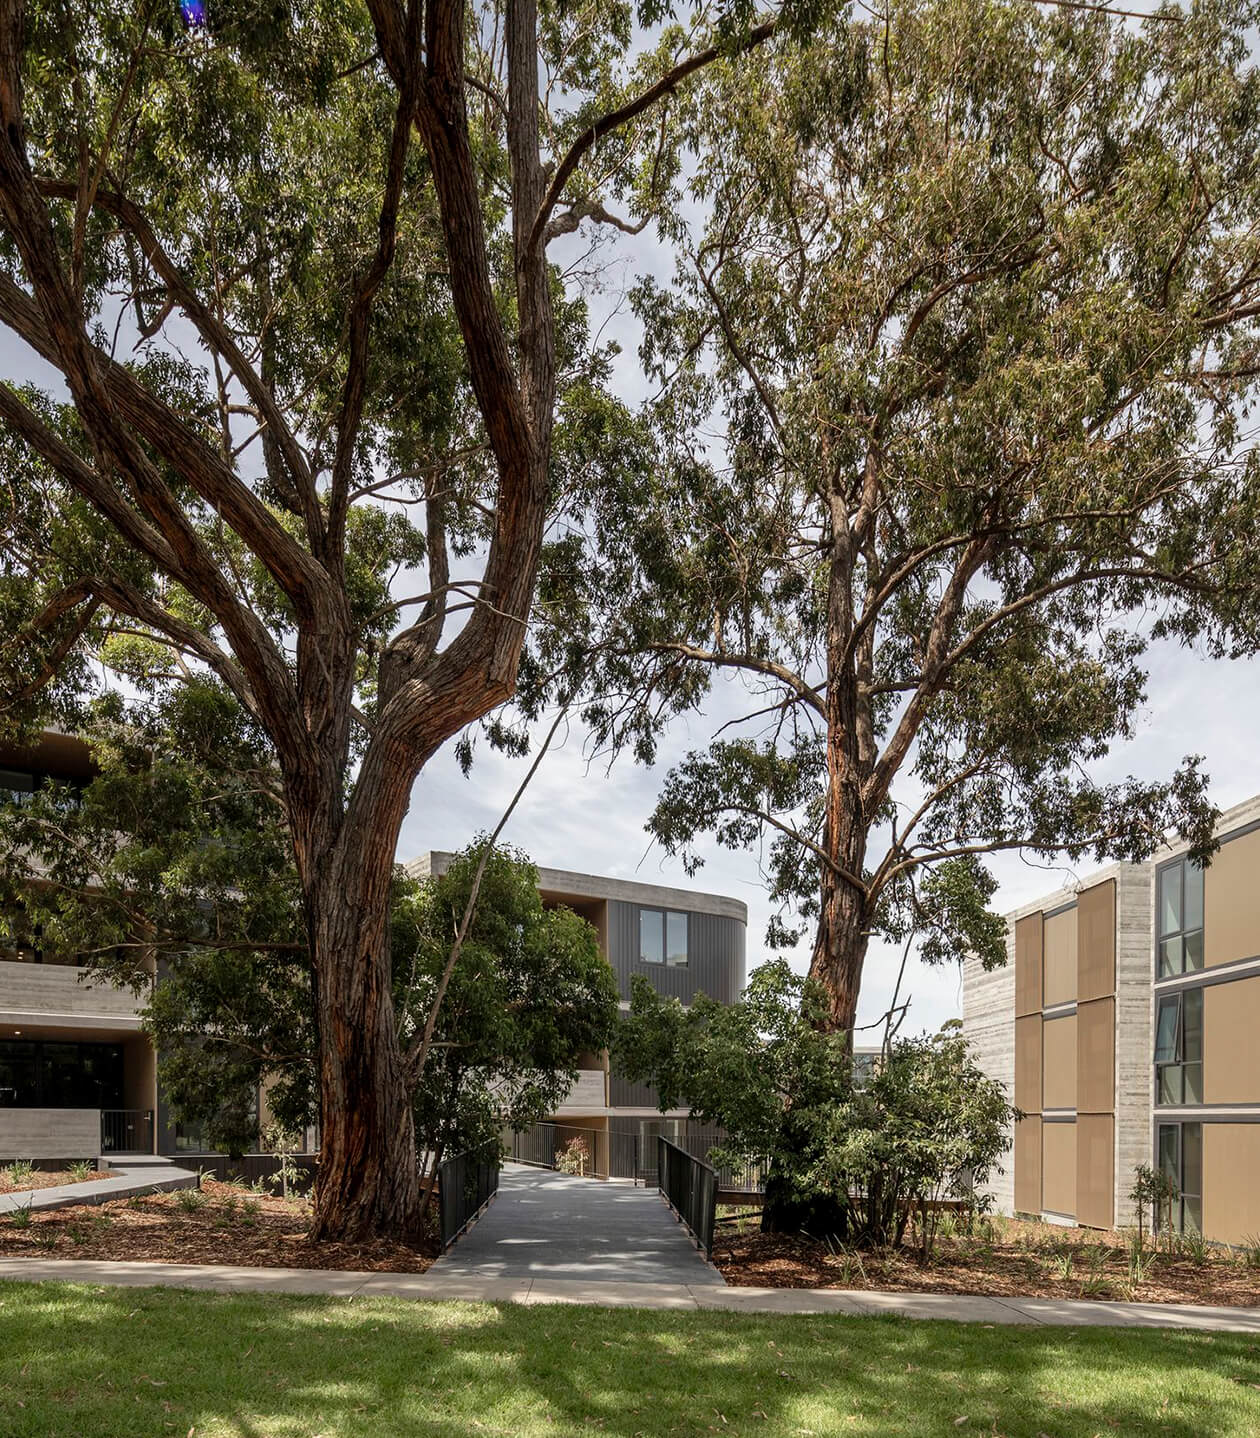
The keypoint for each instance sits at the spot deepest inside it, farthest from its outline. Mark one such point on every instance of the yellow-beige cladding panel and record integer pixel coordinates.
(1028, 1165)
(1058, 1168)
(1059, 958)
(1028, 965)
(1096, 942)
(1095, 1169)
(1231, 1044)
(1231, 1195)
(1096, 1056)
(1058, 1062)
(1231, 902)
(1028, 1063)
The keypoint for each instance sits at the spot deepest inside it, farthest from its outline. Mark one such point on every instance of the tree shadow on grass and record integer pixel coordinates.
(97, 1363)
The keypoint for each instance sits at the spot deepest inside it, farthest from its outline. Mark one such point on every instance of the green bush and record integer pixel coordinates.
(927, 1126)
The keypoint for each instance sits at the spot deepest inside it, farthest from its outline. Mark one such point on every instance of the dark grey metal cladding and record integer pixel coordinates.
(624, 1094)
(715, 956)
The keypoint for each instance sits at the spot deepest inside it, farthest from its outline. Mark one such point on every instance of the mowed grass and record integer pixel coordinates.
(99, 1363)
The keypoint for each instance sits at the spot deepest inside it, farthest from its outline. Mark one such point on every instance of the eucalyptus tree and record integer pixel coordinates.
(952, 385)
(289, 271)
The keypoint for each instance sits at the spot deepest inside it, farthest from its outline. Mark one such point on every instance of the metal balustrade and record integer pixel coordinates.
(465, 1186)
(126, 1130)
(690, 1187)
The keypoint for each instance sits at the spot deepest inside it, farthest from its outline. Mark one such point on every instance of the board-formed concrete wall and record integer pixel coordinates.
(50, 1133)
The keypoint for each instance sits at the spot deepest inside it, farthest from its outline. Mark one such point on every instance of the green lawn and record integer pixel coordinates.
(100, 1363)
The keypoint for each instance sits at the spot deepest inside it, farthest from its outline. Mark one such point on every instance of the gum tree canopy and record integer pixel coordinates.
(953, 378)
(288, 266)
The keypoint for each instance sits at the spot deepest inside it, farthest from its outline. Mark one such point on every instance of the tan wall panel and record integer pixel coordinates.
(1028, 1165)
(1059, 959)
(1095, 1169)
(1231, 1195)
(1028, 1063)
(1096, 941)
(1096, 1056)
(1231, 902)
(1231, 1053)
(1028, 965)
(1058, 1063)
(1058, 1168)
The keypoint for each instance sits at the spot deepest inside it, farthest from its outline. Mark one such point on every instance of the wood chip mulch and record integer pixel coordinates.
(229, 1225)
(1024, 1260)
(50, 1179)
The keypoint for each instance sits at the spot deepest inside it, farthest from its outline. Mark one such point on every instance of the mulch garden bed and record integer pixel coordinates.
(28, 1183)
(1005, 1258)
(218, 1223)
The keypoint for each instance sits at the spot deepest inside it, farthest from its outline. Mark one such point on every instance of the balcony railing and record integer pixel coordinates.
(126, 1130)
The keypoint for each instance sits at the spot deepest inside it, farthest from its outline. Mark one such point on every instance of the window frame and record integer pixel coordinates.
(1181, 935)
(665, 915)
(1195, 1199)
(1178, 1063)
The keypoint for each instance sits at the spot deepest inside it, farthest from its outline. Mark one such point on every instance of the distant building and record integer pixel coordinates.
(1126, 1027)
(684, 943)
(78, 1077)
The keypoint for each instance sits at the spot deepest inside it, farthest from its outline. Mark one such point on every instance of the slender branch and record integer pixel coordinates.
(614, 119)
(418, 1052)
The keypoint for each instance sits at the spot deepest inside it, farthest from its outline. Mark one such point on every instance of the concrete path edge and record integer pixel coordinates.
(957, 1308)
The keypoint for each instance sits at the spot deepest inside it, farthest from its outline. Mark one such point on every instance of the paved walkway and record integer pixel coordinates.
(545, 1226)
(131, 1176)
(431, 1286)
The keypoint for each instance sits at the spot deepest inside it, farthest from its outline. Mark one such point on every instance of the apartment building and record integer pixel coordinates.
(1125, 1027)
(78, 1076)
(684, 943)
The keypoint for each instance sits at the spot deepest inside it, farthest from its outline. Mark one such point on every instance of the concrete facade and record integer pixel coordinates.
(1153, 1061)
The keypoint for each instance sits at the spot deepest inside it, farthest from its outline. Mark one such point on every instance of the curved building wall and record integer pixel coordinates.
(715, 955)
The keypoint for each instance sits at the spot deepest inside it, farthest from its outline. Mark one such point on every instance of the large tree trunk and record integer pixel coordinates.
(369, 1181)
(368, 1185)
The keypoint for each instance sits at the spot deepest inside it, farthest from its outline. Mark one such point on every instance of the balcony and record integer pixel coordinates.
(55, 994)
(589, 1094)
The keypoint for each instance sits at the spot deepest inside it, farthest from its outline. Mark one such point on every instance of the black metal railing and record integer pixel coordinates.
(465, 1186)
(582, 1151)
(690, 1187)
(126, 1130)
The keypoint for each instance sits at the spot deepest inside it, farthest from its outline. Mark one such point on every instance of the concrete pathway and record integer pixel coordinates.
(545, 1226)
(431, 1286)
(141, 1174)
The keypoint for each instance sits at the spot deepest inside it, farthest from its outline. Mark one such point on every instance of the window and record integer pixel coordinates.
(1180, 919)
(1179, 1048)
(35, 1074)
(1180, 1156)
(663, 937)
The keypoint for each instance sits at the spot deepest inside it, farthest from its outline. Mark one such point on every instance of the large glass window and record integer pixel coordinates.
(34, 1074)
(1180, 1156)
(1179, 1048)
(663, 937)
(1180, 918)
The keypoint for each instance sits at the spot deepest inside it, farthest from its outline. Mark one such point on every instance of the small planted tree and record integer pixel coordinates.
(1157, 1191)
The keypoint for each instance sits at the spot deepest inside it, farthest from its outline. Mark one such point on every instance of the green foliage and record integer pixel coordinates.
(529, 995)
(21, 1217)
(20, 1171)
(951, 377)
(1156, 1191)
(927, 1125)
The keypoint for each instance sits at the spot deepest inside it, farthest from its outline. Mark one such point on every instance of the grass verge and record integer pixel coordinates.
(96, 1363)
